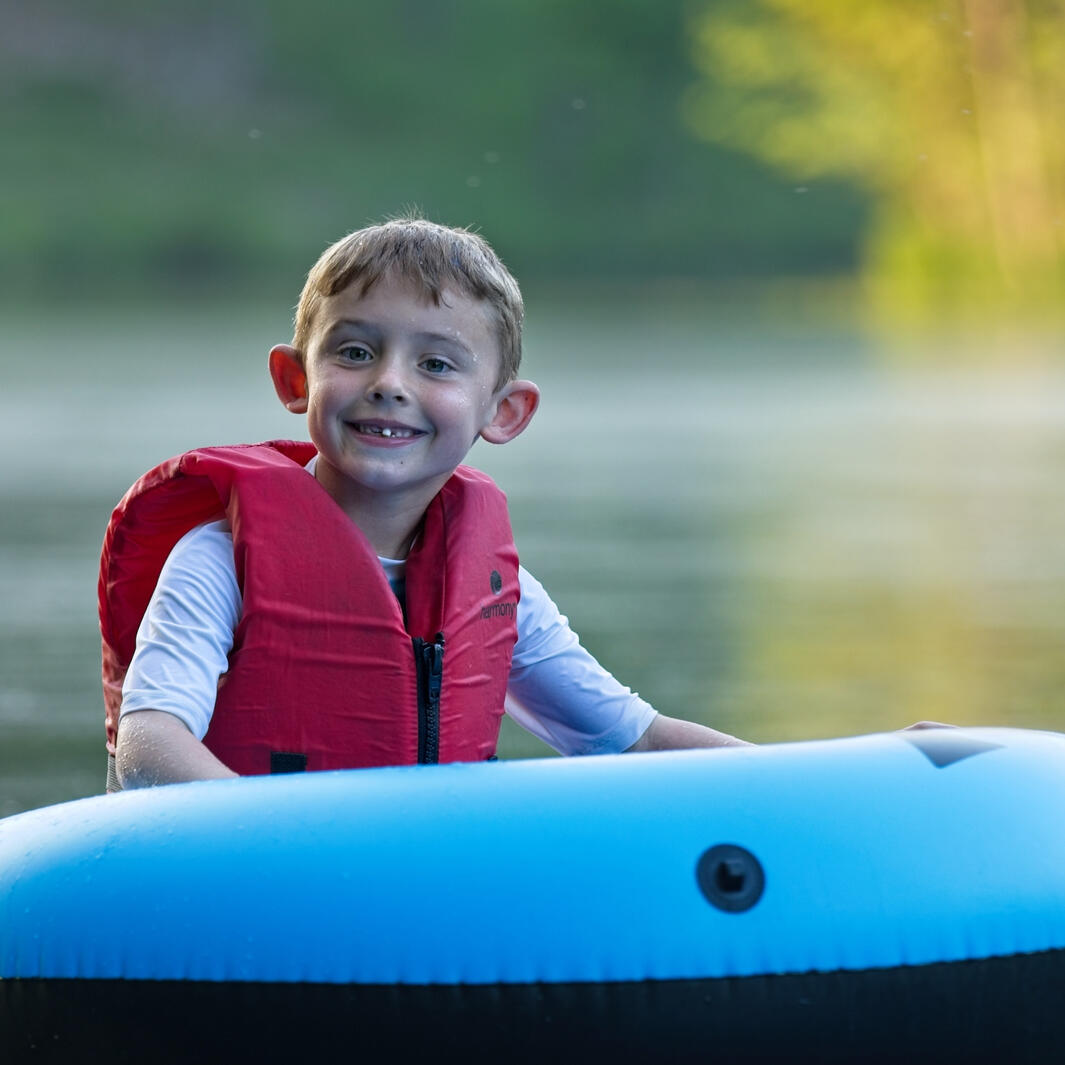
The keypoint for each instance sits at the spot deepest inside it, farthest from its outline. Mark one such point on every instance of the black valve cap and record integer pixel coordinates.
(730, 877)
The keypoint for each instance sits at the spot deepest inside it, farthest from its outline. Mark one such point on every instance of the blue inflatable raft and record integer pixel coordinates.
(884, 898)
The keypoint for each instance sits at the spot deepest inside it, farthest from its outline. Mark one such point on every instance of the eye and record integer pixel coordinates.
(435, 365)
(355, 353)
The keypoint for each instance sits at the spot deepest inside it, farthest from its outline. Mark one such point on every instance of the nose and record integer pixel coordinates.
(386, 383)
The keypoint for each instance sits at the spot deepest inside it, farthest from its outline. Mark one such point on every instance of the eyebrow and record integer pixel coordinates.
(355, 325)
(376, 333)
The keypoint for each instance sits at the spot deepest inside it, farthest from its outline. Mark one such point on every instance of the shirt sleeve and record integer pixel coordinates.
(186, 634)
(559, 692)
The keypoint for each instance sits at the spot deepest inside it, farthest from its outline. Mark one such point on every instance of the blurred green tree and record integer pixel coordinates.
(218, 143)
(948, 114)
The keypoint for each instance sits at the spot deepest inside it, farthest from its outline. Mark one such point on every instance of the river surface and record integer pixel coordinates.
(773, 528)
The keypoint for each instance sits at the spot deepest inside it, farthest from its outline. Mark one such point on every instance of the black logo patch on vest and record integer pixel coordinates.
(496, 582)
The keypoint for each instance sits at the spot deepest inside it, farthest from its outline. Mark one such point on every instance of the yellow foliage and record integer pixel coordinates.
(949, 115)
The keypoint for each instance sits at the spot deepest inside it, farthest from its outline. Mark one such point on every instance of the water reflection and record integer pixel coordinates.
(766, 531)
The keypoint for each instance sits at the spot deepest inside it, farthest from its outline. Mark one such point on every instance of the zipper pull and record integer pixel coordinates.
(435, 662)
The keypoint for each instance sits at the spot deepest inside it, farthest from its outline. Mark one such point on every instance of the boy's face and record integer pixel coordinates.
(397, 390)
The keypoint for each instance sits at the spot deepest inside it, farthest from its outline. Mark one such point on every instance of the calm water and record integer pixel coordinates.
(776, 531)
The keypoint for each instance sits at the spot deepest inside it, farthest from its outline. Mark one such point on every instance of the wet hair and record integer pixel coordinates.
(433, 257)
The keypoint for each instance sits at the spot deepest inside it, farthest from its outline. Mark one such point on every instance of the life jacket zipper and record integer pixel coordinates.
(429, 658)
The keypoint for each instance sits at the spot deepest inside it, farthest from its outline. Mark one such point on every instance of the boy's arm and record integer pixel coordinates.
(155, 747)
(182, 646)
(561, 694)
(672, 733)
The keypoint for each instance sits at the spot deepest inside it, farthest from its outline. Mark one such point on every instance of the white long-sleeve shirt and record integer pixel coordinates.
(556, 690)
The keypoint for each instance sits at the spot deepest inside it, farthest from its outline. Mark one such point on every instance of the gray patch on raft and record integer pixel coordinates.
(943, 747)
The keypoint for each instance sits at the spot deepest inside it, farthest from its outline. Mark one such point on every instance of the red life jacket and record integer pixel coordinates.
(325, 673)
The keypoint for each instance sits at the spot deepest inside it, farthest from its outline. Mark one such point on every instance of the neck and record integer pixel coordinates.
(389, 541)
(389, 521)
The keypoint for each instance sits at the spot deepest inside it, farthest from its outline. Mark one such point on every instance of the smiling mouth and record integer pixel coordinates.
(391, 432)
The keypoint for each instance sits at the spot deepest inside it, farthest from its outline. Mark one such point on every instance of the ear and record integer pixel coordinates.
(515, 407)
(289, 377)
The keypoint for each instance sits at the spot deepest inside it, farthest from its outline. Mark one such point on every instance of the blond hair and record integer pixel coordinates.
(433, 257)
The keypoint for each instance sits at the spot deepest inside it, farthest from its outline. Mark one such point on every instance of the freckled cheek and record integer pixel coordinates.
(325, 399)
(454, 412)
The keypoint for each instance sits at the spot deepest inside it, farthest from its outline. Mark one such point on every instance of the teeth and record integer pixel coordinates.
(374, 430)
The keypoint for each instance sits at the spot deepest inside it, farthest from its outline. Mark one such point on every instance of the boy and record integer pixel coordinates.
(357, 602)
